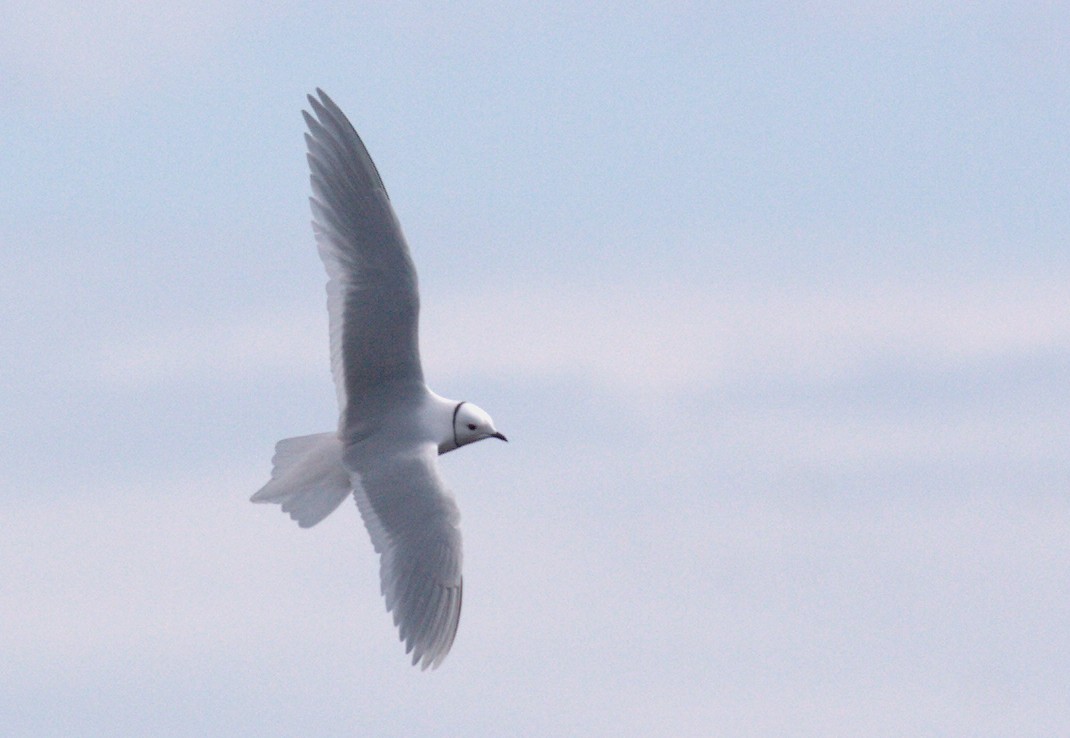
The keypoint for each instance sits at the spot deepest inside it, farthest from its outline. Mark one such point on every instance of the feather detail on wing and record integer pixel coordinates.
(372, 298)
(413, 521)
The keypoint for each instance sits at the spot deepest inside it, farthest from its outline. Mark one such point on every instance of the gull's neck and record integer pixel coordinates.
(439, 414)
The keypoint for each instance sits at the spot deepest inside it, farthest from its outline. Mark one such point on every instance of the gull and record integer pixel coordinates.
(391, 427)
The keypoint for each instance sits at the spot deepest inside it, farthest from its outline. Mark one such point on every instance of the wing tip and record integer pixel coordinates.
(430, 651)
(332, 123)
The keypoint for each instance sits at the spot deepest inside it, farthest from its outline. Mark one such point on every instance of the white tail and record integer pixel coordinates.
(308, 478)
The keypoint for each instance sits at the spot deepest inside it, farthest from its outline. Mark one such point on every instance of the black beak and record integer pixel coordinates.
(499, 436)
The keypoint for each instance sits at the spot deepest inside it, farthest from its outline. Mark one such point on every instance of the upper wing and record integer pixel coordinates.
(413, 520)
(372, 296)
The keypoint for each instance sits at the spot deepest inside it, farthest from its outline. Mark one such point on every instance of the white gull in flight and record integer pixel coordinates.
(391, 427)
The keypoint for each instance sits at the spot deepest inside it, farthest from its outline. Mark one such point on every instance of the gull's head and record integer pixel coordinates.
(471, 423)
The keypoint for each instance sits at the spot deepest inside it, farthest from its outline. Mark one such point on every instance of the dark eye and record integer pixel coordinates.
(471, 426)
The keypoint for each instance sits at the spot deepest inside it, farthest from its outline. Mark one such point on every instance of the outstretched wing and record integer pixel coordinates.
(372, 296)
(413, 521)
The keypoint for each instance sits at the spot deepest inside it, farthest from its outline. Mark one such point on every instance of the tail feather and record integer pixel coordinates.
(308, 479)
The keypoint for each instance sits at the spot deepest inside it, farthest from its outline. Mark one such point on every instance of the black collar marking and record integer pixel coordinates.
(456, 443)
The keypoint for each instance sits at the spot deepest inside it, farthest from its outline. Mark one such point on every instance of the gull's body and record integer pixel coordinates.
(391, 427)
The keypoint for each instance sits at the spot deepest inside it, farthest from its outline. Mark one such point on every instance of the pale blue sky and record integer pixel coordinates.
(771, 303)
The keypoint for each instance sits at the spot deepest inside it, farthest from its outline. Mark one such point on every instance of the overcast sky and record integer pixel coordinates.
(772, 304)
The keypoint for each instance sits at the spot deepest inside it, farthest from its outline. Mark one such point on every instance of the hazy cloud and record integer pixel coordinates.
(658, 338)
(75, 52)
